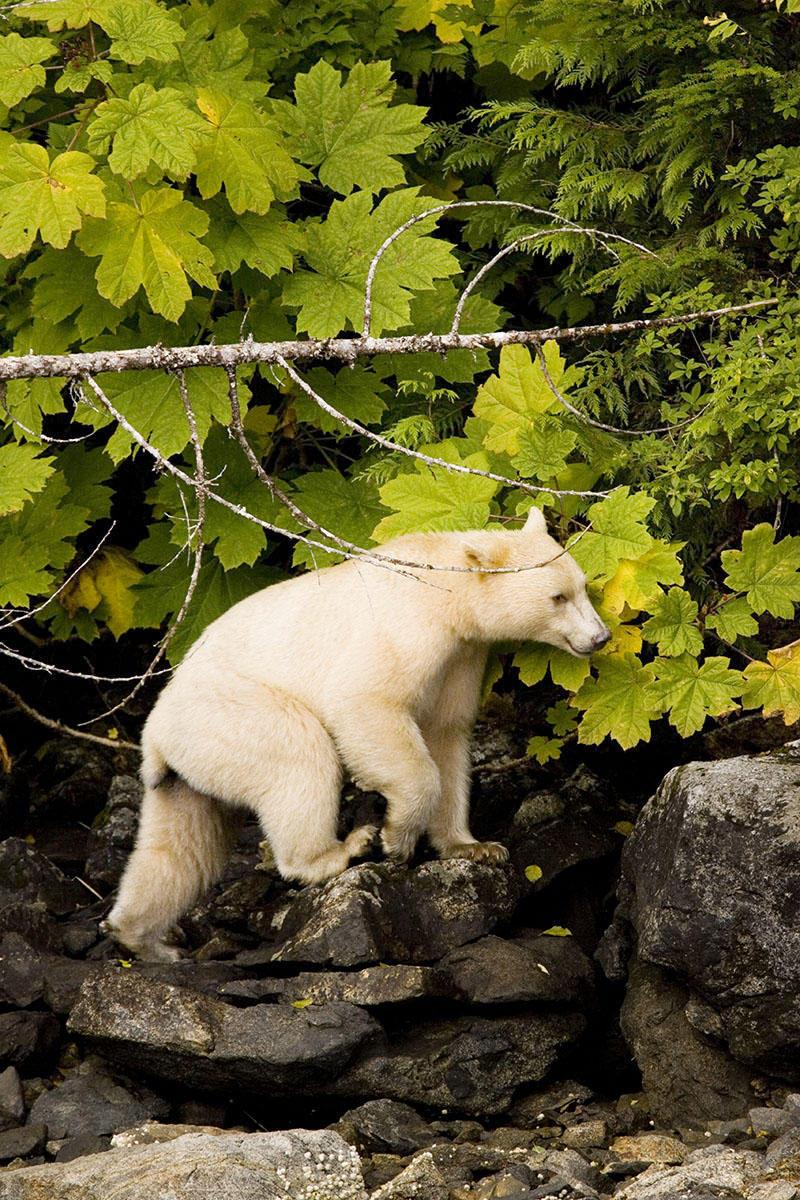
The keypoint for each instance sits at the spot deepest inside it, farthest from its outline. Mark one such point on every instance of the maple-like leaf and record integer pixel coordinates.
(620, 703)
(153, 244)
(104, 587)
(617, 532)
(774, 685)
(350, 508)
(141, 29)
(767, 572)
(330, 295)
(146, 126)
(636, 583)
(348, 131)
(673, 624)
(733, 619)
(267, 242)
(22, 473)
(20, 69)
(566, 670)
(691, 690)
(242, 150)
(512, 399)
(48, 198)
(432, 498)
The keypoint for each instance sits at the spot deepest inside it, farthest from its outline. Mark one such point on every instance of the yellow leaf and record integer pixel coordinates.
(107, 578)
(533, 873)
(558, 931)
(416, 14)
(302, 1003)
(775, 684)
(624, 827)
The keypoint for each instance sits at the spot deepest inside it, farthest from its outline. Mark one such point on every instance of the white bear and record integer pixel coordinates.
(355, 669)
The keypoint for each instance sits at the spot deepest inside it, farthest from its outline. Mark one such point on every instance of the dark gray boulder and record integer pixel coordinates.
(714, 867)
(495, 970)
(174, 1034)
(91, 1101)
(378, 912)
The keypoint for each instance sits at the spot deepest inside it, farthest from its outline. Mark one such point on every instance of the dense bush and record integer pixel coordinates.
(181, 172)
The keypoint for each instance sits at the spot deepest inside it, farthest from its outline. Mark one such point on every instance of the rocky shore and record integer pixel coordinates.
(616, 1011)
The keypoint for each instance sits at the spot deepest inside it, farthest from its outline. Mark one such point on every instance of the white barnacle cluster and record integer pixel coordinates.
(325, 1175)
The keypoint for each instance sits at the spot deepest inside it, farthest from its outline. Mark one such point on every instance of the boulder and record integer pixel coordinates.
(714, 863)
(113, 835)
(378, 912)
(469, 1064)
(713, 1171)
(387, 983)
(21, 1143)
(385, 1127)
(177, 1035)
(90, 1101)
(689, 1078)
(12, 1104)
(541, 969)
(294, 1165)
(28, 1039)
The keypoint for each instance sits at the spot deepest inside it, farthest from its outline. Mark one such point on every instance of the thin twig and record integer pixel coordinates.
(114, 743)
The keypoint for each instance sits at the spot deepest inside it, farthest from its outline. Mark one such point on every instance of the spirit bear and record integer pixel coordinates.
(358, 669)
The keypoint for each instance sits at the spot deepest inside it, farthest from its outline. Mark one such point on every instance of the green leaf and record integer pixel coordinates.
(774, 685)
(140, 29)
(543, 749)
(153, 245)
(566, 670)
(78, 75)
(348, 131)
(356, 392)
(617, 532)
(20, 72)
(242, 151)
(51, 199)
(543, 449)
(22, 472)
(330, 295)
(673, 626)
(104, 587)
(691, 691)
(733, 619)
(511, 399)
(769, 574)
(563, 718)
(152, 403)
(65, 286)
(267, 243)
(432, 498)
(350, 508)
(146, 126)
(160, 594)
(620, 703)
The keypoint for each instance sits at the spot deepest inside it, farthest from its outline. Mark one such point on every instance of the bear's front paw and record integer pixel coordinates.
(477, 851)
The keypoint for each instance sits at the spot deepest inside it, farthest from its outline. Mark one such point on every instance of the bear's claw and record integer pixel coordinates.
(478, 852)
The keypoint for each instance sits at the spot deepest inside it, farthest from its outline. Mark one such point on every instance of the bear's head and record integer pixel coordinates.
(538, 594)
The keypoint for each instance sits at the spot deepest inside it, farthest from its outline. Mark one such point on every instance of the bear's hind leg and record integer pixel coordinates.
(182, 846)
(299, 807)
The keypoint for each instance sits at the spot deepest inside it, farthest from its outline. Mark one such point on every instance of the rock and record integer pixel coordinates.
(420, 1180)
(715, 866)
(573, 1169)
(12, 1104)
(90, 1101)
(585, 1135)
(25, 874)
(470, 1065)
(112, 838)
(27, 1038)
(69, 780)
(688, 1079)
(750, 734)
(21, 1143)
(649, 1148)
(63, 980)
(792, 1104)
(773, 1120)
(31, 921)
(385, 1127)
(371, 987)
(174, 1034)
(78, 1147)
(21, 972)
(496, 971)
(299, 1164)
(549, 1103)
(157, 1131)
(712, 1171)
(777, 1190)
(376, 912)
(783, 1156)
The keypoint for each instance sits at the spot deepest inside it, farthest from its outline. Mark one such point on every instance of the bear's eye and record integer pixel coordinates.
(560, 598)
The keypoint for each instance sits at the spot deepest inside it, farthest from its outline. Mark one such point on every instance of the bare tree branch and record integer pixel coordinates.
(342, 349)
(114, 743)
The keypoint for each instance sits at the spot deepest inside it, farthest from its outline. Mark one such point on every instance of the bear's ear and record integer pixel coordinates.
(535, 522)
(485, 553)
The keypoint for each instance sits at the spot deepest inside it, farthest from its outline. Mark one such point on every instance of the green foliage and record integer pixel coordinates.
(224, 171)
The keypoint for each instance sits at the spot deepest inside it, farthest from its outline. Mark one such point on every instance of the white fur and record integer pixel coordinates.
(354, 669)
